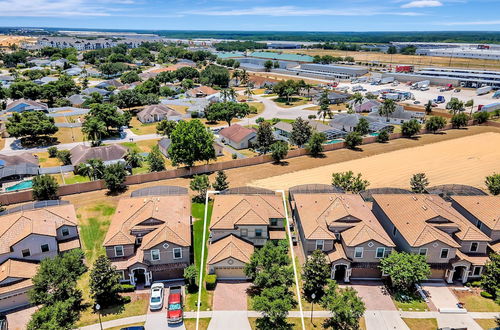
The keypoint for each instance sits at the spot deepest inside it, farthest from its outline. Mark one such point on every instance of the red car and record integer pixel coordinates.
(174, 313)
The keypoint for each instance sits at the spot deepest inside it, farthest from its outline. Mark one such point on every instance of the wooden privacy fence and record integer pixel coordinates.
(26, 196)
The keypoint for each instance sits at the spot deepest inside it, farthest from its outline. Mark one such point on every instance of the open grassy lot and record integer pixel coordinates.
(179, 108)
(404, 59)
(190, 324)
(294, 101)
(413, 305)
(474, 302)
(69, 135)
(45, 161)
(142, 129)
(141, 146)
(317, 323)
(198, 213)
(421, 324)
(486, 323)
(259, 106)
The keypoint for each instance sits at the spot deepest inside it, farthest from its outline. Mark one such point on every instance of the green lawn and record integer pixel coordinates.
(198, 212)
(474, 302)
(70, 178)
(413, 305)
(421, 324)
(190, 324)
(294, 101)
(94, 228)
(486, 323)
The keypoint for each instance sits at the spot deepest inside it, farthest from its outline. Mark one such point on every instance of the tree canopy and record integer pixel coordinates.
(405, 269)
(226, 111)
(301, 132)
(30, 124)
(190, 142)
(44, 187)
(418, 183)
(349, 182)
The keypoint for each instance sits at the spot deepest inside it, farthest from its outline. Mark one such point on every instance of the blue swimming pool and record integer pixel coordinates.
(374, 134)
(21, 185)
(334, 141)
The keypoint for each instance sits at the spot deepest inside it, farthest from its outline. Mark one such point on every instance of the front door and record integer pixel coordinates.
(340, 271)
(140, 276)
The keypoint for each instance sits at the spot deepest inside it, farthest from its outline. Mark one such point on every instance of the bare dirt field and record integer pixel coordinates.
(467, 160)
(6, 41)
(416, 60)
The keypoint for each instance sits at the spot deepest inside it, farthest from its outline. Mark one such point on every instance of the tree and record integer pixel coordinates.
(274, 303)
(410, 128)
(64, 156)
(470, 104)
(200, 183)
(165, 127)
(455, 105)
(405, 269)
(435, 123)
(349, 182)
(315, 143)
(268, 65)
(459, 120)
(279, 150)
(128, 98)
(353, 140)
(60, 315)
(109, 115)
(481, 117)
(93, 169)
(133, 158)
(93, 98)
(221, 183)
(392, 50)
(104, 282)
(493, 183)
(190, 277)
(428, 107)
(490, 280)
(45, 187)
(248, 92)
(265, 137)
(324, 106)
(226, 111)
(155, 160)
(345, 305)
(418, 183)
(130, 77)
(387, 108)
(383, 136)
(301, 132)
(286, 88)
(357, 98)
(215, 75)
(94, 129)
(363, 127)
(114, 177)
(31, 125)
(315, 274)
(190, 142)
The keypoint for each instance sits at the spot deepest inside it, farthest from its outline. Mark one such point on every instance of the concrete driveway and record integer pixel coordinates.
(230, 296)
(158, 319)
(440, 295)
(229, 320)
(19, 320)
(373, 294)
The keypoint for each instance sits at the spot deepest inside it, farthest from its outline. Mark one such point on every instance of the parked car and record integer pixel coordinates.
(174, 313)
(416, 102)
(156, 300)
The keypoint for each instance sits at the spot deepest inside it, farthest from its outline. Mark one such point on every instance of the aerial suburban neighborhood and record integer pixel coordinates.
(225, 176)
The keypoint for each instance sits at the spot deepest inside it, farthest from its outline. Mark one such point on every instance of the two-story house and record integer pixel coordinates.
(26, 238)
(430, 226)
(238, 224)
(149, 238)
(343, 226)
(484, 213)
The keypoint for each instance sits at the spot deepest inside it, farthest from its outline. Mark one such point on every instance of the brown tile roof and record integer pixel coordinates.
(17, 270)
(173, 213)
(495, 247)
(18, 159)
(69, 245)
(229, 211)
(81, 153)
(484, 208)
(204, 90)
(44, 221)
(349, 214)
(157, 109)
(475, 259)
(337, 253)
(422, 219)
(277, 234)
(230, 247)
(236, 133)
(125, 263)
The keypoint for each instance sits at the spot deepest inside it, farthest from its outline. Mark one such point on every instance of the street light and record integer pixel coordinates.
(313, 296)
(97, 308)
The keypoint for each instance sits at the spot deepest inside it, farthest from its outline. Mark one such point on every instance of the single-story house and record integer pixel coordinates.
(91, 90)
(237, 136)
(73, 71)
(228, 256)
(44, 80)
(5, 81)
(347, 122)
(14, 167)
(77, 99)
(334, 98)
(26, 105)
(201, 91)
(39, 62)
(59, 63)
(399, 116)
(158, 112)
(261, 82)
(107, 83)
(285, 129)
(366, 106)
(109, 154)
(164, 144)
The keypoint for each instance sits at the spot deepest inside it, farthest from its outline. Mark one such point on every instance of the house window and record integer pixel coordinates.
(337, 236)
(358, 252)
(155, 255)
(26, 253)
(444, 253)
(258, 232)
(380, 252)
(479, 225)
(119, 251)
(274, 222)
(394, 231)
(122, 274)
(477, 270)
(44, 248)
(65, 231)
(473, 246)
(320, 244)
(422, 251)
(177, 253)
(244, 232)
(138, 240)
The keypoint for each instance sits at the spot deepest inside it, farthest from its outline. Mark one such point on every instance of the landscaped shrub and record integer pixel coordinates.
(234, 156)
(126, 299)
(475, 284)
(211, 281)
(127, 288)
(481, 117)
(486, 295)
(52, 152)
(383, 136)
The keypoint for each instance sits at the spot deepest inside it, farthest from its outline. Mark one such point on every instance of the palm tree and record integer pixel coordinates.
(232, 94)
(289, 92)
(470, 104)
(244, 77)
(388, 107)
(224, 95)
(455, 105)
(248, 92)
(94, 129)
(236, 76)
(428, 107)
(93, 169)
(133, 158)
(324, 106)
(308, 88)
(357, 98)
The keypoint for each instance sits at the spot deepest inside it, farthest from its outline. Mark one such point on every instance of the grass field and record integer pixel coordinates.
(69, 135)
(474, 302)
(486, 323)
(142, 129)
(421, 324)
(404, 59)
(467, 160)
(190, 324)
(294, 101)
(141, 146)
(45, 161)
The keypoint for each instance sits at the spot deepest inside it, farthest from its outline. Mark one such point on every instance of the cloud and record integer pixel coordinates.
(496, 22)
(59, 8)
(296, 11)
(422, 4)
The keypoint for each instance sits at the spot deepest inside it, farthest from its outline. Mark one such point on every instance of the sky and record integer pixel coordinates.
(256, 15)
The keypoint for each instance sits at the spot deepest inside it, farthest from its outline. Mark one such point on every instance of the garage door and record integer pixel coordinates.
(229, 273)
